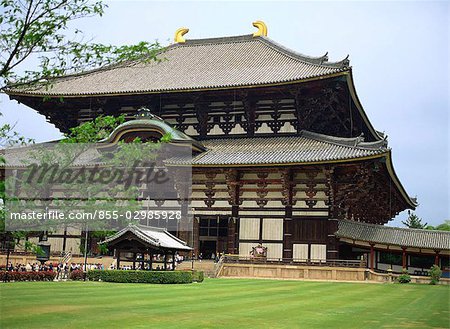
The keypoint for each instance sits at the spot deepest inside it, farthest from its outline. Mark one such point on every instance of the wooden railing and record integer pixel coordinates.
(291, 261)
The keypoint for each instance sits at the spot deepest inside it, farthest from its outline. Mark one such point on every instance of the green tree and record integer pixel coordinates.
(414, 221)
(445, 226)
(43, 31)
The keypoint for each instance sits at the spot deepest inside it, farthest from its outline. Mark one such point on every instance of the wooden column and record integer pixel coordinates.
(372, 256)
(173, 260)
(143, 261)
(231, 246)
(287, 185)
(404, 259)
(151, 261)
(134, 260)
(118, 258)
(250, 114)
(165, 260)
(232, 178)
(436, 257)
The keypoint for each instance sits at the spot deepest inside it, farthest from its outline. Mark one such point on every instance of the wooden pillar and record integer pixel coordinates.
(134, 260)
(404, 259)
(232, 231)
(118, 258)
(436, 257)
(287, 184)
(165, 260)
(173, 260)
(64, 240)
(151, 261)
(232, 177)
(372, 256)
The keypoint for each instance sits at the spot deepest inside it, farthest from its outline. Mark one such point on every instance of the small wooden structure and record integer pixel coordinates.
(140, 244)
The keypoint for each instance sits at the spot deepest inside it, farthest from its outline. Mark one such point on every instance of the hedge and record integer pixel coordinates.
(131, 276)
(76, 275)
(27, 276)
(197, 276)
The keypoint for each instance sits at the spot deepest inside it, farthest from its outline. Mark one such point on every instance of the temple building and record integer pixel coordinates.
(284, 155)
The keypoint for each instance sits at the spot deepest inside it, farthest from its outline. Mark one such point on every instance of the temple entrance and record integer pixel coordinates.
(213, 233)
(207, 248)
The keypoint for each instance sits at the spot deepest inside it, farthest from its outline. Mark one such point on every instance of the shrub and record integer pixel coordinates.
(76, 275)
(197, 276)
(435, 274)
(404, 277)
(27, 276)
(162, 277)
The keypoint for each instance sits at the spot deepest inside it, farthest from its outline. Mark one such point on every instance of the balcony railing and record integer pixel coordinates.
(237, 259)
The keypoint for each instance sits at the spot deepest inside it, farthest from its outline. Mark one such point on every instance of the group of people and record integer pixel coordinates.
(34, 267)
(214, 256)
(62, 269)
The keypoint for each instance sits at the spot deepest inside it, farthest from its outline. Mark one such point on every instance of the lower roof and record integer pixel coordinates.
(394, 236)
(308, 147)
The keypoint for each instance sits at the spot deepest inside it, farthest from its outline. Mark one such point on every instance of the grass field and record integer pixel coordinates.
(223, 303)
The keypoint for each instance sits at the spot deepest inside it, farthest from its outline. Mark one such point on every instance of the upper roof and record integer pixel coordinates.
(154, 236)
(216, 63)
(403, 237)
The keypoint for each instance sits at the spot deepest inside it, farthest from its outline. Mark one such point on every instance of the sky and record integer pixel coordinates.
(399, 52)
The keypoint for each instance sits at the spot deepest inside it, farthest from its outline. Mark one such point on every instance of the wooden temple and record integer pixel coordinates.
(146, 247)
(283, 151)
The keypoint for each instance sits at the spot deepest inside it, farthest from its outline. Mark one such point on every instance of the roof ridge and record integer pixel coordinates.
(217, 40)
(353, 142)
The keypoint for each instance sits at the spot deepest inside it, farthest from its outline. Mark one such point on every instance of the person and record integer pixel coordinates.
(200, 257)
(213, 257)
(58, 272)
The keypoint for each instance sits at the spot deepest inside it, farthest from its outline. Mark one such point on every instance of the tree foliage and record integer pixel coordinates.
(435, 274)
(414, 221)
(445, 226)
(43, 30)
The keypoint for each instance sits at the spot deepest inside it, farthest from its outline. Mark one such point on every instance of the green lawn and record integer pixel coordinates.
(223, 303)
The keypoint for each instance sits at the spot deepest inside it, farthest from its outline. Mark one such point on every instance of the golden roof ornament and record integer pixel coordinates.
(262, 29)
(179, 35)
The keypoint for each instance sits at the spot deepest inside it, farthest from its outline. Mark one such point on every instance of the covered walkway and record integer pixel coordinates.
(395, 248)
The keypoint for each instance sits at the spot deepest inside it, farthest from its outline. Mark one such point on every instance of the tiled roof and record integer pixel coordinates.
(154, 236)
(403, 237)
(195, 65)
(306, 148)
